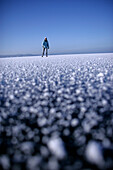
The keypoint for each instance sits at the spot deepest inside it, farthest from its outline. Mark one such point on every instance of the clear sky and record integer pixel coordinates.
(71, 26)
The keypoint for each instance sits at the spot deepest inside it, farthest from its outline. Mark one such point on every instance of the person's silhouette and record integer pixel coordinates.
(45, 45)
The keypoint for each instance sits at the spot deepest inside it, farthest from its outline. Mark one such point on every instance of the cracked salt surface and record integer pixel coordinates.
(56, 112)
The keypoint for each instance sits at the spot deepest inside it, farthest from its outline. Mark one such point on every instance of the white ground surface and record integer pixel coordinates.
(56, 111)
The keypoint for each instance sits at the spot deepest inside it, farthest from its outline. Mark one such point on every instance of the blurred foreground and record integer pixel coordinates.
(56, 112)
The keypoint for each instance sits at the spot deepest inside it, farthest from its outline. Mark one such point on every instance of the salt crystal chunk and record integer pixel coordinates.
(32, 110)
(106, 142)
(100, 75)
(80, 99)
(46, 94)
(56, 147)
(52, 110)
(72, 79)
(86, 126)
(104, 102)
(42, 121)
(11, 96)
(45, 139)
(66, 132)
(83, 109)
(27, 147)
(24, 108)
(53, 164)
(94, 154)
(74, 122)
(33, 162)
(78, 91)
(59, 115)
(17, 79)
(30, 134)
(44, 151)
(4, 161)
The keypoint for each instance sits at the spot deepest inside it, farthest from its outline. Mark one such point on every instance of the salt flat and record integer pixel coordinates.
(56, 112)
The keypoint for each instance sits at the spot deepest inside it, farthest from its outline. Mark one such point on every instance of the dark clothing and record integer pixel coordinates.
(44, 51)
(45, 45)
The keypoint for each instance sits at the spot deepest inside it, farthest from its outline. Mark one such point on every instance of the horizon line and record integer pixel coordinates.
(31, 54)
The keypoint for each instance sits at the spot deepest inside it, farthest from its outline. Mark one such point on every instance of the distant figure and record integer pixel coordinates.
(45, 45)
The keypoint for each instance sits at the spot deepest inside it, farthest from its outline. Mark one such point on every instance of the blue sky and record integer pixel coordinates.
(71, 26)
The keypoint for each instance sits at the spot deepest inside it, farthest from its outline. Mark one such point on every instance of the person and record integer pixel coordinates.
(45, 46)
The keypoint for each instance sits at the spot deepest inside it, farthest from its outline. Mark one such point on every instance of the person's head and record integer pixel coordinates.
(45, 39)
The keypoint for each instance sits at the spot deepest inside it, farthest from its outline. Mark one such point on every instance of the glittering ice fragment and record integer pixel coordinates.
(94, 155)
(56, 146)
(42, 121)
(74, 122)
(100, 75)
(33, 162)
(5, 162)
(27, 147)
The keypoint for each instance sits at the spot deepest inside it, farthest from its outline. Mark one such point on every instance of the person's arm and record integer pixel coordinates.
(43, 44)
(48, 44)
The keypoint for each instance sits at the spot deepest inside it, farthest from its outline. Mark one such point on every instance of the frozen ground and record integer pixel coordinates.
(56, 112)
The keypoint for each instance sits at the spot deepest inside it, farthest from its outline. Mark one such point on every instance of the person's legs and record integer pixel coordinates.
(43, 52)
(46, 52)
